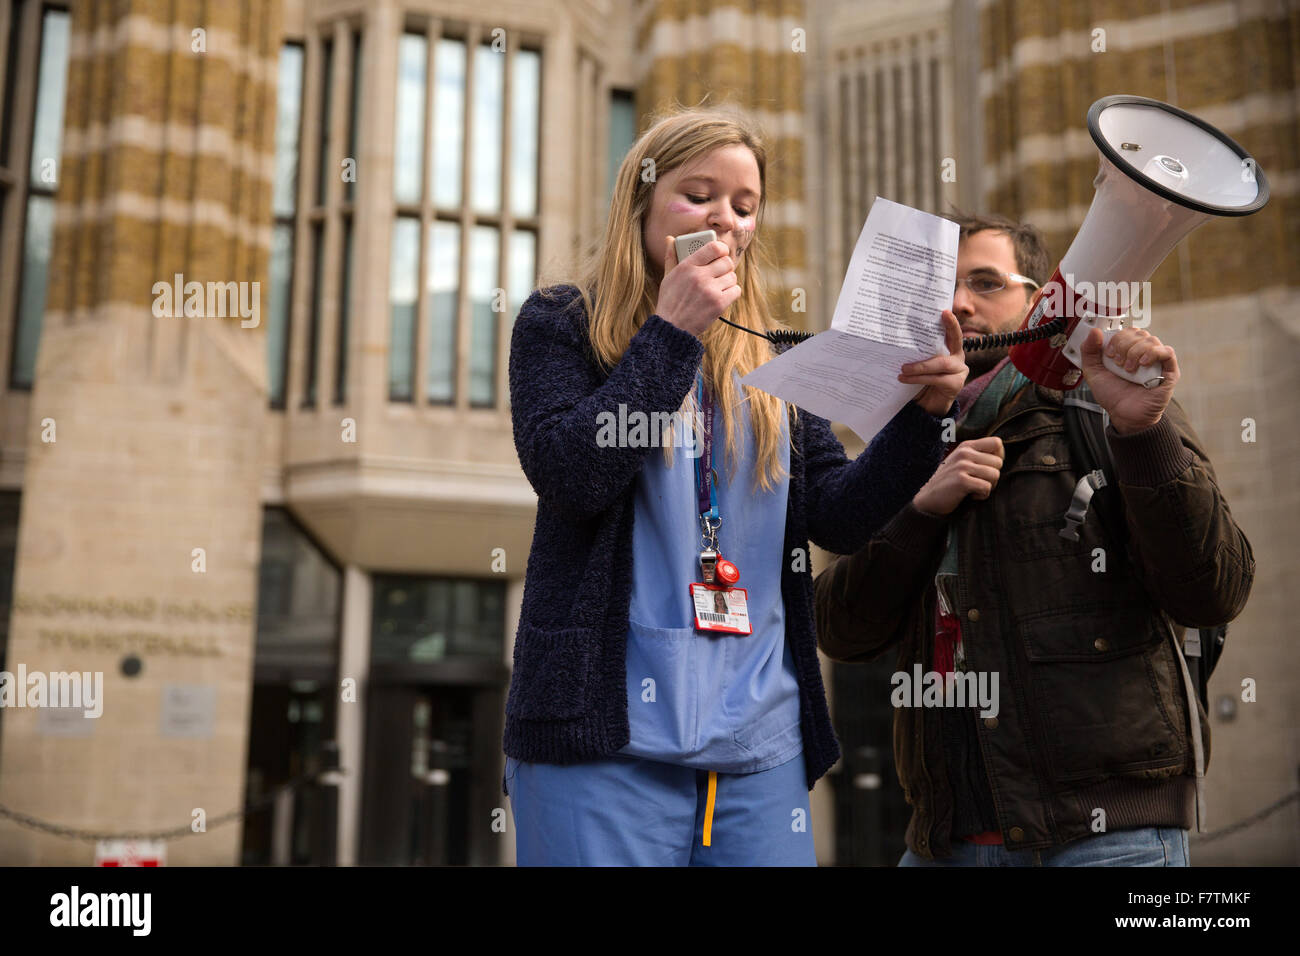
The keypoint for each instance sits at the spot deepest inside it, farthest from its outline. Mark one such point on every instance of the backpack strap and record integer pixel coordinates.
(1085, 429)
(1194, 718)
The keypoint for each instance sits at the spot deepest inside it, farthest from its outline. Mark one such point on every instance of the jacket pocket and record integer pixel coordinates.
(552, 672)
(1105, 692)
(1044, 449)
(1035, 538)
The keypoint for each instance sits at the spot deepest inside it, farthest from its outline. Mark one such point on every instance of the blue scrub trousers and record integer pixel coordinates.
(625, 811)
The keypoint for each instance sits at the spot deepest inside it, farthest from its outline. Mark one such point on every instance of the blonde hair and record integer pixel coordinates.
(619, 289)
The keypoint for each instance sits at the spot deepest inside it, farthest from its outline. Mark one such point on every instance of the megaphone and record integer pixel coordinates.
(1163, 173)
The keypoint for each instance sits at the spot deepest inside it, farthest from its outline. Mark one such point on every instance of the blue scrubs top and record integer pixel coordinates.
(718, 701)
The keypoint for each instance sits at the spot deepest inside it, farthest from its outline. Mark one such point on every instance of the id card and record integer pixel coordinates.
(721, 609)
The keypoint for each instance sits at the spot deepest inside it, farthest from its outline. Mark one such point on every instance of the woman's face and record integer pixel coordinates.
(719, 191)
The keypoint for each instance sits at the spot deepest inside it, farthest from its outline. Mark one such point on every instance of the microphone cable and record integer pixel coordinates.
(976, 343)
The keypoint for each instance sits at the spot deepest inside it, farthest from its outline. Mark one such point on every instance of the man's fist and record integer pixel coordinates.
(973, 468)
(1131, 407)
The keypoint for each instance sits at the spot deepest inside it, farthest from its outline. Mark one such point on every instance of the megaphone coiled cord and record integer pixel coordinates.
(977, 343)
(1020, 337)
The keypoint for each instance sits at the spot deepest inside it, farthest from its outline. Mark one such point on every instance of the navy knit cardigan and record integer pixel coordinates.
(568, 693)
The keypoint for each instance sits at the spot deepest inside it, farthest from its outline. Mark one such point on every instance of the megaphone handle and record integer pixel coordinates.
(1148, 376)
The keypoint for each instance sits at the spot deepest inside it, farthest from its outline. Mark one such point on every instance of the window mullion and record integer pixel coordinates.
(327, 331)
(6, 20)
(463, 303)
(507, 226)
(599, 170)
(295, 388)
(21, 124)
(424, 301)
(583, 180)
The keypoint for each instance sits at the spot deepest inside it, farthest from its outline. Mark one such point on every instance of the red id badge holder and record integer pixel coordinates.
(720, 607)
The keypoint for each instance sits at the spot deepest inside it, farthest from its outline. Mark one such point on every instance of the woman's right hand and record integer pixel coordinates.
(699, 289)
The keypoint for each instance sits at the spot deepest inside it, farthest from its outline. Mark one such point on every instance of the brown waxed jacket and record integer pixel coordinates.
(1093, 709)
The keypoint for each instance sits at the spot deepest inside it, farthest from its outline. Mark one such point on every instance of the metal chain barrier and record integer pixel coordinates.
(73, 833)
(270, 796)
(1249, 821)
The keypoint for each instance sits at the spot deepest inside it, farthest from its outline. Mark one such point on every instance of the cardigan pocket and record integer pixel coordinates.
(552, 672)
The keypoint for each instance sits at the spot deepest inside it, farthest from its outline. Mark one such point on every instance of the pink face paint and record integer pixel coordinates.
(744, 233)
(679, 208)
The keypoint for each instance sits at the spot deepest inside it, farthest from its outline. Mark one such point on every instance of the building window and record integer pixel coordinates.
(403, 294)
(317, 136)
(284, 204)
(425, 620)
(317, 302)
(341, 349)
(29, 177)
(9, 502)
(465, 237)
(349, 198)
(888, 97)
(9, 510)
(299, 595)
(325, 169)
(622, 133)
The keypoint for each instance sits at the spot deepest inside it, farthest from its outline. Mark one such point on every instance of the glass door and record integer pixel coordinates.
(432, 765)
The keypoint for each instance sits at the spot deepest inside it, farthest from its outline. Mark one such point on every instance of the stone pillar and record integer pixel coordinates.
(140, 533)
(350, 728)
(753, 58)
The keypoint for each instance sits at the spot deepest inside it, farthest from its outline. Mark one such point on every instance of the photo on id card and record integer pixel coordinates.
(721, 609)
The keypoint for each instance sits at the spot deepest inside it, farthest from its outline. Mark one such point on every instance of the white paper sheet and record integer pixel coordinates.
(900, 278)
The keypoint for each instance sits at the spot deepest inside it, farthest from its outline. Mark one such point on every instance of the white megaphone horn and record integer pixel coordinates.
(1163, 173)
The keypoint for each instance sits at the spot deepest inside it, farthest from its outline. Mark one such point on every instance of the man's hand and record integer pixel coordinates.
(973, 468)
(1131, 407)
(942, 375)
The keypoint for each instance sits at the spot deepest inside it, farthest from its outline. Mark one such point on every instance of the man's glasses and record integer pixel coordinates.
(986, 283)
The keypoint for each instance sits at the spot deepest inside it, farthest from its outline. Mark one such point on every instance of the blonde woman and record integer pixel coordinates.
(640, 729)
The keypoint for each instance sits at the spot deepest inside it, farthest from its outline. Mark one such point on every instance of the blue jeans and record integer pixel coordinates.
(1141, 846)
(625, 811)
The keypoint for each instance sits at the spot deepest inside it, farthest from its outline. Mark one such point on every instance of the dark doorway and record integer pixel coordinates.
(290, 722)
(871, 813)
(434, 713)
(432, 774)
(295, 696)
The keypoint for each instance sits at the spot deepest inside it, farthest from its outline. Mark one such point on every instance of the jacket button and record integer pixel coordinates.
(1016, 834)
(991, 723)
(1049, 459)
(973, 614)
(1101, 644)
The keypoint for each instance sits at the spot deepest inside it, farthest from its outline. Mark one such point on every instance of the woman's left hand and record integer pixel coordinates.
(943, 375)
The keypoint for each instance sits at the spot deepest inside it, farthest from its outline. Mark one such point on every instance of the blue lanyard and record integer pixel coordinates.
(705, 491)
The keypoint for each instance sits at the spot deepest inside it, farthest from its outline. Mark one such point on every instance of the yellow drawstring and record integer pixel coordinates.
(708, 807)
